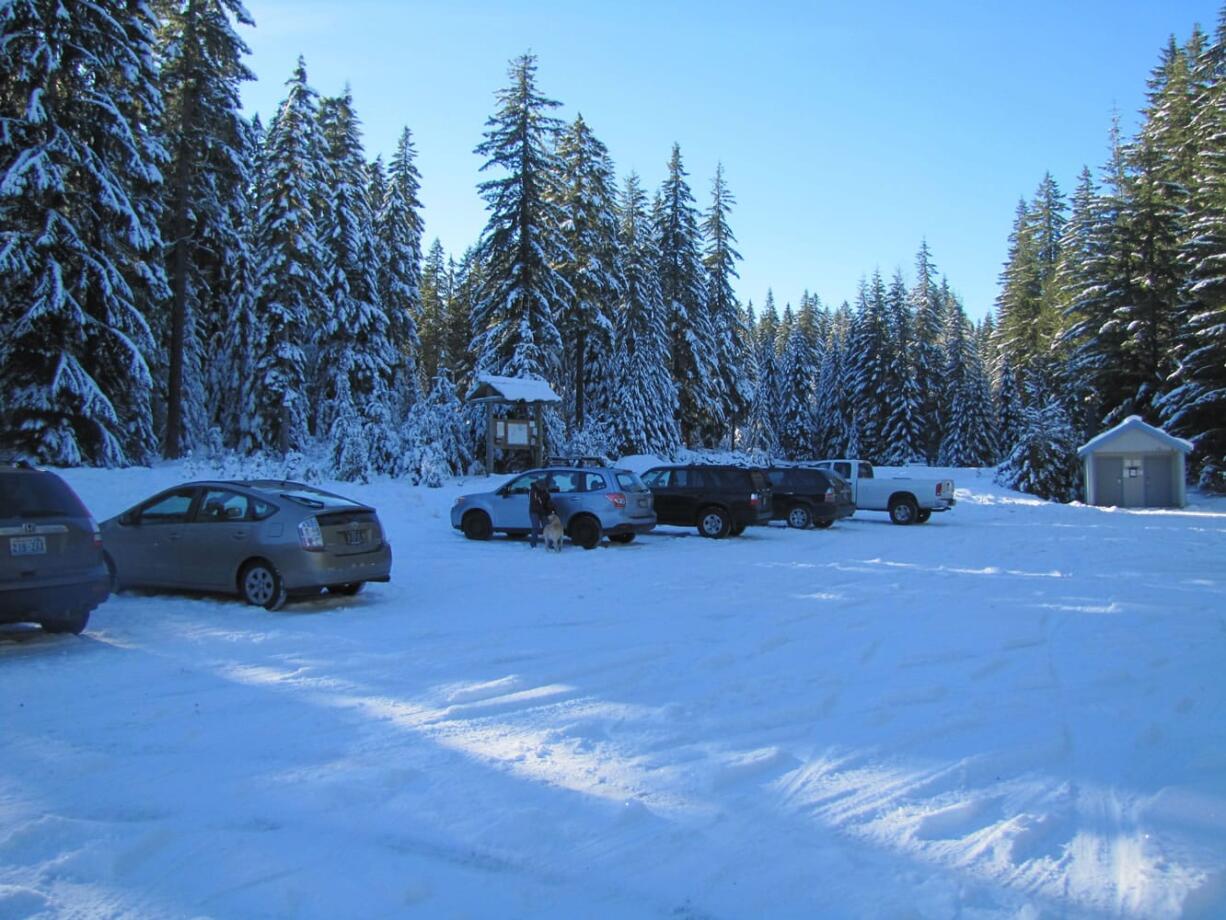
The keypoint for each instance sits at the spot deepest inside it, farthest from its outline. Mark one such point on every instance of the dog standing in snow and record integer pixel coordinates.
(553, 533)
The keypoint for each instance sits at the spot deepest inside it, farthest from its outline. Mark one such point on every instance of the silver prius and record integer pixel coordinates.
(261, 539)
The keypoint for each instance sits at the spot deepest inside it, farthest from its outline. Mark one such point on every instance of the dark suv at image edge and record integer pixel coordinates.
(718, 500)
(52, 570)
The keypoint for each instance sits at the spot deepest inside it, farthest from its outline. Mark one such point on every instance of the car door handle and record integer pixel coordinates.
(239, 535)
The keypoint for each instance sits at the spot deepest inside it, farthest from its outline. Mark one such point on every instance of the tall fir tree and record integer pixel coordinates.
(291, 267)
(398, 224)
(1196, 405)
(929, 363)
(588, 210)
(81, 162)
(201, 71)
(522, 292)
(353, 341)
(435, 291)
(869, 360)
(694, 351)
(903, 434)
(643, 407)
(732, 336)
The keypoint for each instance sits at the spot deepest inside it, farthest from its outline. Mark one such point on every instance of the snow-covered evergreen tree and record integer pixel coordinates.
(694, 352)
(970, 433)
(929, 361)
(398, 227)
(80, 252)
(230, 382)
(291, 267)
(588, 210)
(868, 363)
(732, 337)
(465, 282)
(643, 405)
(902, 436)
(354, 336)
(1196, 405)
(201, 70)
(435, 291)
(438, 439)
(797, 378)
(1044, 460)
(522, 291)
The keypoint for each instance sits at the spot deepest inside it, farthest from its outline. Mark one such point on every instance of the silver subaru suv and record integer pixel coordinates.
(593, 502)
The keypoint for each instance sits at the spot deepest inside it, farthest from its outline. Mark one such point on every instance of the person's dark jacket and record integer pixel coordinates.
(539, 501)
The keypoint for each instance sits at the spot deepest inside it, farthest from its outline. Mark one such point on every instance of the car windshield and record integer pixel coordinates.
(37, 495)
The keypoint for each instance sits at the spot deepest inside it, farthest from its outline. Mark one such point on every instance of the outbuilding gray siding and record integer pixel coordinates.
(1135, 465)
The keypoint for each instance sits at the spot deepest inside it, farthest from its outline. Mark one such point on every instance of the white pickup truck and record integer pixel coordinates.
(909, 501)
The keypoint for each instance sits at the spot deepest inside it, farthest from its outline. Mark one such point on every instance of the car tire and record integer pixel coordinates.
(736, 530)
(260, 585)
(622, 538)
(477, 525)
(822, 525)
(69, 623)
(799, 517)
(585, 532)
(349, 590)
(922, 516)
(903, 511)
(714, 523)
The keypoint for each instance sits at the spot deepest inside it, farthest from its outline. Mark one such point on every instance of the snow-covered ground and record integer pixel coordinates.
(1018, 709)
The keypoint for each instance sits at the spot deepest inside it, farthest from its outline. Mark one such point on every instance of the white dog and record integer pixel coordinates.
(553, 532)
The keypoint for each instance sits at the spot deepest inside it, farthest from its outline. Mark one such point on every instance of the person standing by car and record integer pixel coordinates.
(540, 506)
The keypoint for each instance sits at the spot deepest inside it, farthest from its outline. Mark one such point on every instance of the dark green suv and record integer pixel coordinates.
(52, 571)
(718, 500)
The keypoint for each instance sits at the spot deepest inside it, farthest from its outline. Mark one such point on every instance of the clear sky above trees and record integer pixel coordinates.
(847, 132)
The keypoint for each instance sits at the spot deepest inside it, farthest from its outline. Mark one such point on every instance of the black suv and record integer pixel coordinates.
(803, 496)
(52, 571)
(718, 500)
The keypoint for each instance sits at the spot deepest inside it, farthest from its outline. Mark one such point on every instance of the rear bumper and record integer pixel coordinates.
(318, 570)
(831, 511)
(630, 527)
(944, 504)
(51, 599)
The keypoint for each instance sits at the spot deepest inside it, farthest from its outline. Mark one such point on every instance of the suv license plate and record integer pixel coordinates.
(355, 537)
(27, 546)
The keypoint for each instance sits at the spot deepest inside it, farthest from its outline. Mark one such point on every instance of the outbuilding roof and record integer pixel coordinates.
(1134, 423)
(513, 389)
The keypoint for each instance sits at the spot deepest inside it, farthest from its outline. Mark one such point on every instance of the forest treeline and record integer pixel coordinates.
(176, 278)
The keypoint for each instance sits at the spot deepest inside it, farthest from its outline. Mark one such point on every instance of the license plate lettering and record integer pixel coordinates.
(355, 537)
(27, 546)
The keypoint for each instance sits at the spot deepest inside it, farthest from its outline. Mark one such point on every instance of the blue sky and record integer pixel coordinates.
(848, 131)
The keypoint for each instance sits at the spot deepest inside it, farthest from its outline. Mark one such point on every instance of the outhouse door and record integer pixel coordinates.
(1109, 481)
(1134, 483)
(1158, 475)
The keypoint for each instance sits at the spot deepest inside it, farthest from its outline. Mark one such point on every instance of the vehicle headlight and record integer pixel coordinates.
(309, 535)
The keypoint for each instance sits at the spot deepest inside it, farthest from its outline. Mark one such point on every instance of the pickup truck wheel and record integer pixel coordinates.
(799, 517)
(622, 538)
(903, 511)
(922, 516)
(714, 523)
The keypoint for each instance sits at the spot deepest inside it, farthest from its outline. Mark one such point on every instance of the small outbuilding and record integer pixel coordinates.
(1135, 465)
(519, 431)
